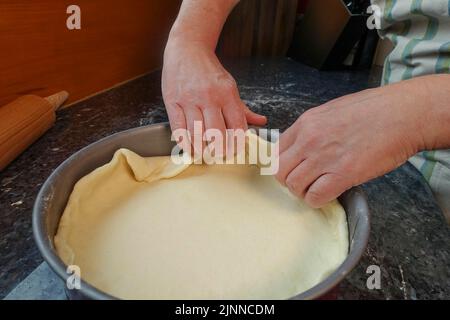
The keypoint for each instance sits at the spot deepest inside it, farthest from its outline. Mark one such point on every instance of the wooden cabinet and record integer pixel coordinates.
(118, 40)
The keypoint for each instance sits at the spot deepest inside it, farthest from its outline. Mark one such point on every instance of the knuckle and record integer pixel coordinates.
(292, 184)
(314, 198)
(309, 123)
(346, 166)
(229, 88)
(205, 89)
(177, 122)
(208, 105)
(175, 105)
(313, 128)
(235, 113)
(170, 100)
(195, 91)
(310, 139)
(229, 82)
(204, 106)
(307, 116)
(278, 177)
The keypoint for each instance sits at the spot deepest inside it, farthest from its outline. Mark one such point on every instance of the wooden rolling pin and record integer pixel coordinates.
(23, 121)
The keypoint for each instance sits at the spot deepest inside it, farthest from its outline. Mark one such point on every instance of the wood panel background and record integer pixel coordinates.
(259, 28)
(118, 40)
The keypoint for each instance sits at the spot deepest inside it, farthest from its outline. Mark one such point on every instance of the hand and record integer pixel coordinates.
(196, 87)
(351, 140)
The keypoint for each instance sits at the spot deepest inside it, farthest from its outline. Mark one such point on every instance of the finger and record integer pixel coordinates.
(325, 189)
(195, 126)
(234, 117)
(177, 122)
(302, 176)
(287, 138)
(236, 123)
(176, 117)
(288, 161)
(214, 120)
(254, 118)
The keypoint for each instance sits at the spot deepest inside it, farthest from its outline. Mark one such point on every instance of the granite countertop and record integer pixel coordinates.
(409, 240)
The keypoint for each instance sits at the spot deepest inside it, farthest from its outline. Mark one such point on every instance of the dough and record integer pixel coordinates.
(145, 228)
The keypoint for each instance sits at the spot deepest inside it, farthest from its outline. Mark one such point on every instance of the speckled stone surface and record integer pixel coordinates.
(409, 241)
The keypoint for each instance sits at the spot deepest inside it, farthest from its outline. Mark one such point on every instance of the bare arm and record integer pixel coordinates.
(435, 114)
(195, 85)
(358, 137)
(201, 21)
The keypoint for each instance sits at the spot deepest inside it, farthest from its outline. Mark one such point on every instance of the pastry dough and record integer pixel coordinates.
(145, 228)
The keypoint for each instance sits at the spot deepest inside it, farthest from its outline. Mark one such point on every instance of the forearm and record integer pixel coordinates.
(435, 118)
(419, 109)
(437, 132)
(201, 21)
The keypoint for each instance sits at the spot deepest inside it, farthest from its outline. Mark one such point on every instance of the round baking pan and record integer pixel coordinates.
(154, 140)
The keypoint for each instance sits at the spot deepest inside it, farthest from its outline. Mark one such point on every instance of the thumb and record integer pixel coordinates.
(254, 118)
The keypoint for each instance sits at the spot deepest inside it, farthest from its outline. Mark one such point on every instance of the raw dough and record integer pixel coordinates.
(145, 228)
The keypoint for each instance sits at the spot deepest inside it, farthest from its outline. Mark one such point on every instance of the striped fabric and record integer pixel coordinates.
(420, 32)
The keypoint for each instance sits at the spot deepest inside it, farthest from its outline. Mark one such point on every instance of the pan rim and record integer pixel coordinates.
(42, 239)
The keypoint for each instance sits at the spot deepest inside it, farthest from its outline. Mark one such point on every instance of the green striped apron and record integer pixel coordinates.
(420, 33)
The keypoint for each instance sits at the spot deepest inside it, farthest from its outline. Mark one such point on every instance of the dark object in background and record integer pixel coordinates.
(357, 6)
(259, 28)
(366, 49)
(329, 31)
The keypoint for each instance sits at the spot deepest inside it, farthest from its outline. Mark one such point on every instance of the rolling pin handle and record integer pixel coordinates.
(56, 100)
